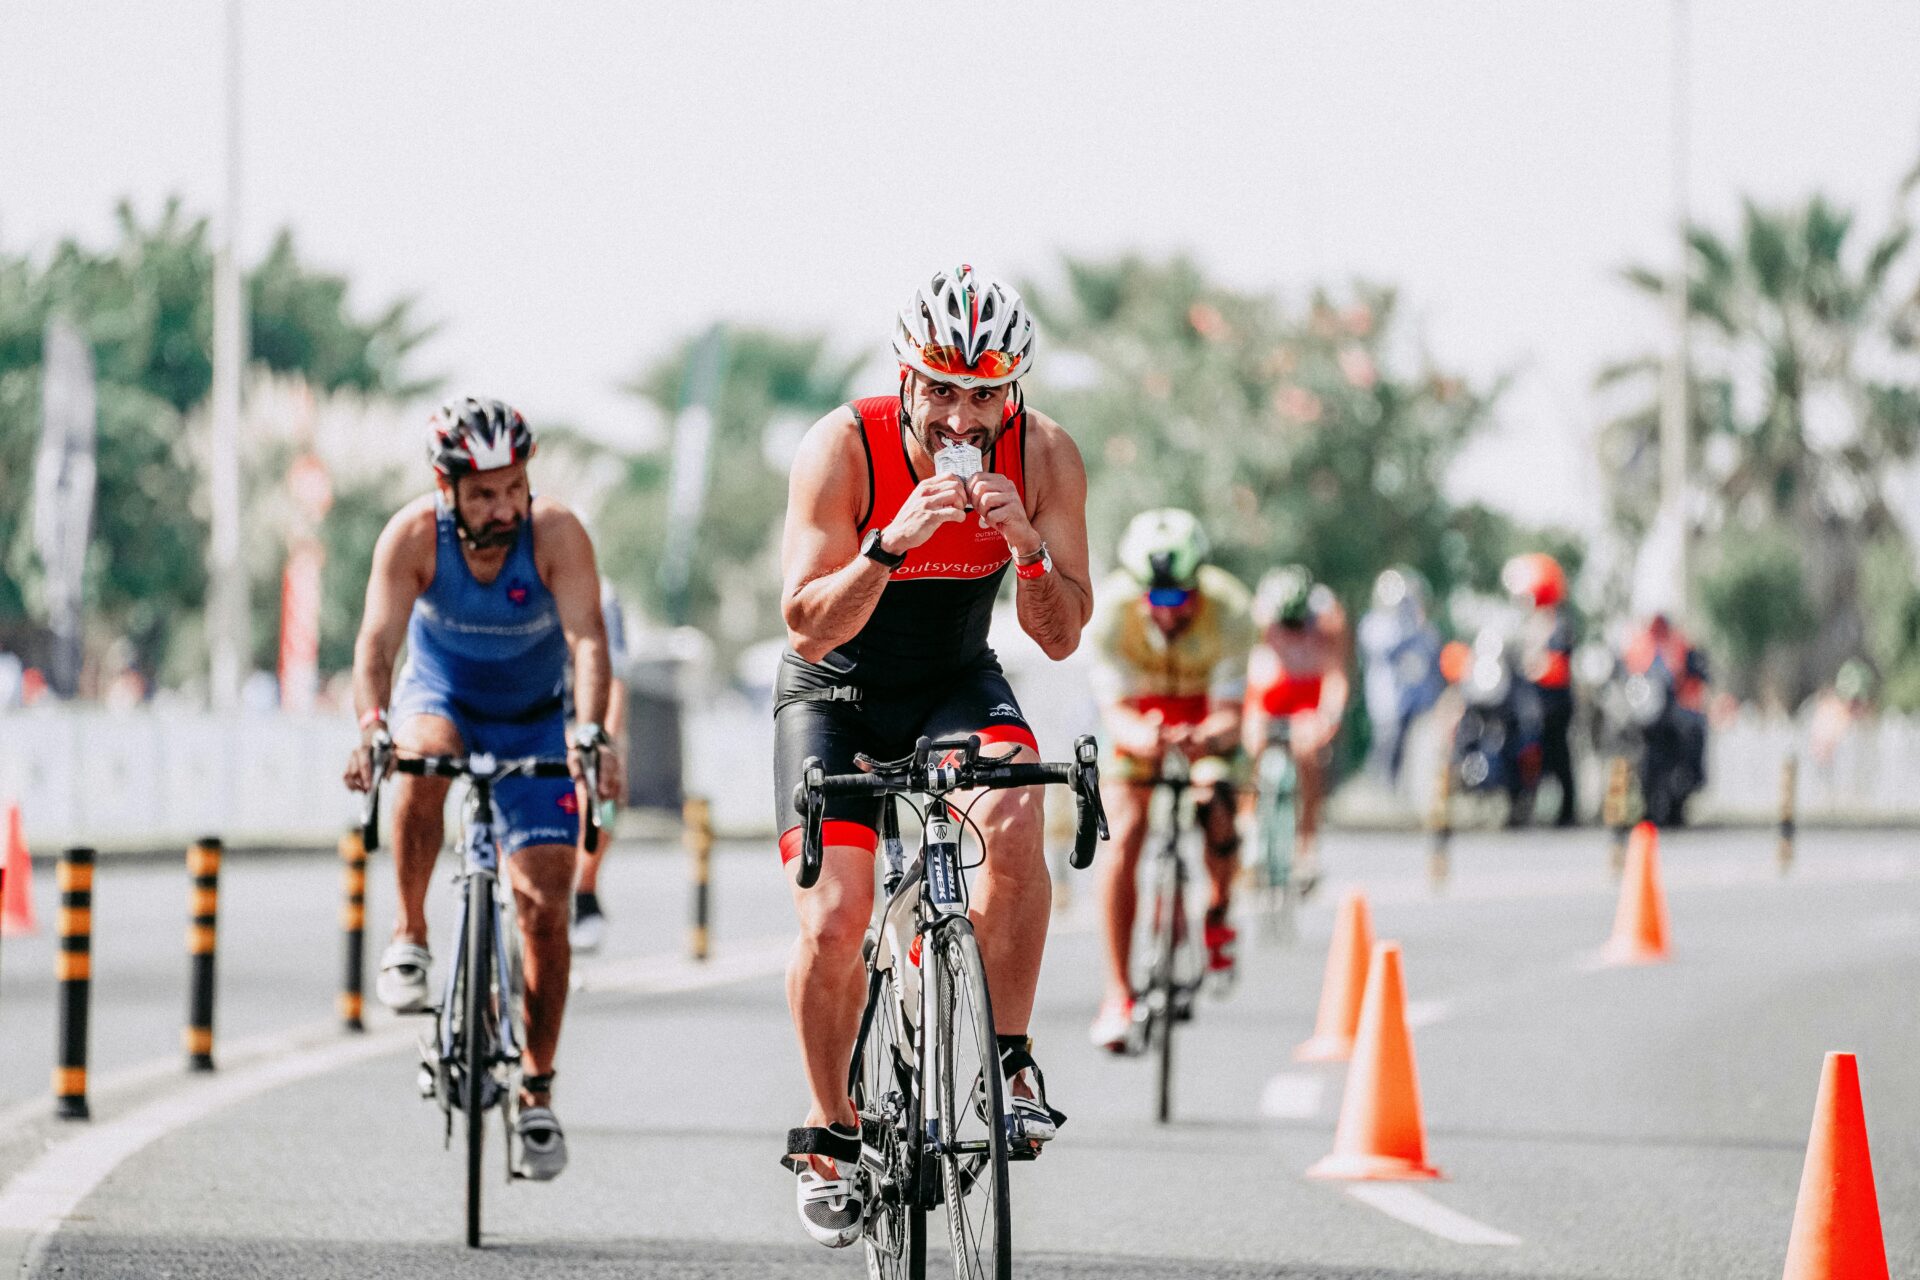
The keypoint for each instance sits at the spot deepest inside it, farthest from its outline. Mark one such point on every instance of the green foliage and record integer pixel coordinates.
(769, 380)
(1315, 435)
(1755, 598)
(1792, 426)
(146, 304)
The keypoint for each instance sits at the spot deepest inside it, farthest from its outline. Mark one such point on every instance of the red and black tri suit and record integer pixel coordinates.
(921, 664)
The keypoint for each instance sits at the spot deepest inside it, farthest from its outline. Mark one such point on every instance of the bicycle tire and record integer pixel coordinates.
(896, 1232)
(973, 1169)
(1277, 832)
(477, 1008)
(1162, 982)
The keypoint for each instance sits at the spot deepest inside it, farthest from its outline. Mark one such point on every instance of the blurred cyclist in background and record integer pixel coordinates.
(1170, 634)
(1299, 670)
(1538, 586)
(1401, 650)
(589, 920)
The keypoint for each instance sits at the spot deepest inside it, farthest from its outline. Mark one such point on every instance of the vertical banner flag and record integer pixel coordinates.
(692, 462)
(300, 585)
(63, 489)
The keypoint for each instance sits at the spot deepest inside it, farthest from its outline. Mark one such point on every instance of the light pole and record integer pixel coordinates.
(1675, 446)
(227, 572)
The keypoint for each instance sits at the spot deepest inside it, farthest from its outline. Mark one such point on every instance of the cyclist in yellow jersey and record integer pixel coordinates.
(1171, 634)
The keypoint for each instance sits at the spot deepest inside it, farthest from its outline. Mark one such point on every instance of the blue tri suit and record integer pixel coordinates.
(492, 658)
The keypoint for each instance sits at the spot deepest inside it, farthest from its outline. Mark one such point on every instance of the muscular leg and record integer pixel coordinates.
(1126, 806)
(542, 879)
(419, 809)
(1217, 809)
(826, 979)
(1012, 900)
(1312, 769)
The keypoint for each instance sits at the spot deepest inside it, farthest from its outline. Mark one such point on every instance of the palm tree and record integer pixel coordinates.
(1799, 409)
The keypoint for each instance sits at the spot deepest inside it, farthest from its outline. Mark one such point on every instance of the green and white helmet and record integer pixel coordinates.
(1164, 549)
(1285, 596)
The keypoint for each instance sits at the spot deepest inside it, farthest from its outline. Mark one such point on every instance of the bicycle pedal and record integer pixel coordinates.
(1017, 1151)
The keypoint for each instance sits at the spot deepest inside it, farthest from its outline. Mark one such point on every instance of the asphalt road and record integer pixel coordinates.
(1607, 1122)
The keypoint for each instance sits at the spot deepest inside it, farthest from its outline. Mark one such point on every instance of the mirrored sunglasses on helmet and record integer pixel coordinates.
(948, 359)
(1168, 597)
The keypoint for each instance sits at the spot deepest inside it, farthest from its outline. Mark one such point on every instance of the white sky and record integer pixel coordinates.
(571, 187)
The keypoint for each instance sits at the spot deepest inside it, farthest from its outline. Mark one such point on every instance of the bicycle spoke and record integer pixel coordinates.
(972, 1111)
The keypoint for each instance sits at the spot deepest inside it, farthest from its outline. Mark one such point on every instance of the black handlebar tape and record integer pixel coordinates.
(590, 820)
(1086, 833)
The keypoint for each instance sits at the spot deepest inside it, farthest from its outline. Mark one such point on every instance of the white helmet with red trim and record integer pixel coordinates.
(966, 329)
(474, 434)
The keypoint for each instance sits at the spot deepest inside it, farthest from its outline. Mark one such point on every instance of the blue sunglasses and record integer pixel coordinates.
(1168, 597)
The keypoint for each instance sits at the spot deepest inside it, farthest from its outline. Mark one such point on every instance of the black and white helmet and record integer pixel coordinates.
(966, 329)
(470, 435)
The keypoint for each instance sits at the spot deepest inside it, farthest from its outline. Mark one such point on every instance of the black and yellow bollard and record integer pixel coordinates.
(353, 928)
(1614, 812)
(697, 833)
(1789, 784)
(203, 865)
(73, 966)
(1440, 822)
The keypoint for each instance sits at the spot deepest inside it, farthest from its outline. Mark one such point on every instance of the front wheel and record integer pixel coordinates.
(1164, 994)
(1277, 832)
(477, 1009)
(973, 1119)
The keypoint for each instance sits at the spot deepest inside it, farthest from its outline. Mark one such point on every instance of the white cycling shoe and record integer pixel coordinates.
(832, 1210)
(589, 923)
(402, 985)
(1112, 1027)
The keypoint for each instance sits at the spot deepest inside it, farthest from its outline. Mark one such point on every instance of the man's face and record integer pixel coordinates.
(944, 414)
(491, 504)
(1170, 618)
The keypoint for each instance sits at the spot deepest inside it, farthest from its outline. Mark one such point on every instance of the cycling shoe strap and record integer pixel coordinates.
(836, 1143)
(1016, 1055)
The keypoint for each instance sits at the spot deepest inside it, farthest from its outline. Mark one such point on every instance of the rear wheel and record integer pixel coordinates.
(477, 1009)
(1277, 832)
(972, 1110)
(884, 1094)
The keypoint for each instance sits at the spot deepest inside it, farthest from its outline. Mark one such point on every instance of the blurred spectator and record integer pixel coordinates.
(33, 687)
(1539, 588)
(125, 688)
(12, 670)
(1400, 649)
(1838, 708)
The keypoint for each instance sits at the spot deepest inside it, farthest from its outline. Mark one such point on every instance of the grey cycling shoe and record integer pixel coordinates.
(543, 1147)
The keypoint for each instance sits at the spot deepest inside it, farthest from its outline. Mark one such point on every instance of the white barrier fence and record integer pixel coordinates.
(140, 779)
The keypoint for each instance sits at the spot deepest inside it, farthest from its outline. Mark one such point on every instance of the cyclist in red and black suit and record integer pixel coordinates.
(904, 513)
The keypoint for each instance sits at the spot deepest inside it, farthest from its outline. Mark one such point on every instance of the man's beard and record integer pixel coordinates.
(493, 536)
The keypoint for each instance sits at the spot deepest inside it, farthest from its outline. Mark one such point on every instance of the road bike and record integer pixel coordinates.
(472, 1063)
(936, 1127)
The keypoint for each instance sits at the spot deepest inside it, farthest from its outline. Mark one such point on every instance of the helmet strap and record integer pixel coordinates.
(477, 541)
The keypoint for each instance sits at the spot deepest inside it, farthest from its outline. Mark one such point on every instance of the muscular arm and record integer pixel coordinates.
(829, 589)
(1054, 607)
(402, 568)
(1335, 686)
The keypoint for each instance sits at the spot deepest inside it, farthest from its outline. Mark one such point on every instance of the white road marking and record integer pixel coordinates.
(41, 1197)
(1418, 1209)
(1292, 1095)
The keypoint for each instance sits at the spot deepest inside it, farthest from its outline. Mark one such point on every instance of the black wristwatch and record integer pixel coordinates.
(872, 550)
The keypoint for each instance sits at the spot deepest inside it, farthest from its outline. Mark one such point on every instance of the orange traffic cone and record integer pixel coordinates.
(16, 896)
(1345, 983)
(1640, 922)
(1836, 1225)
(1380, 1135)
